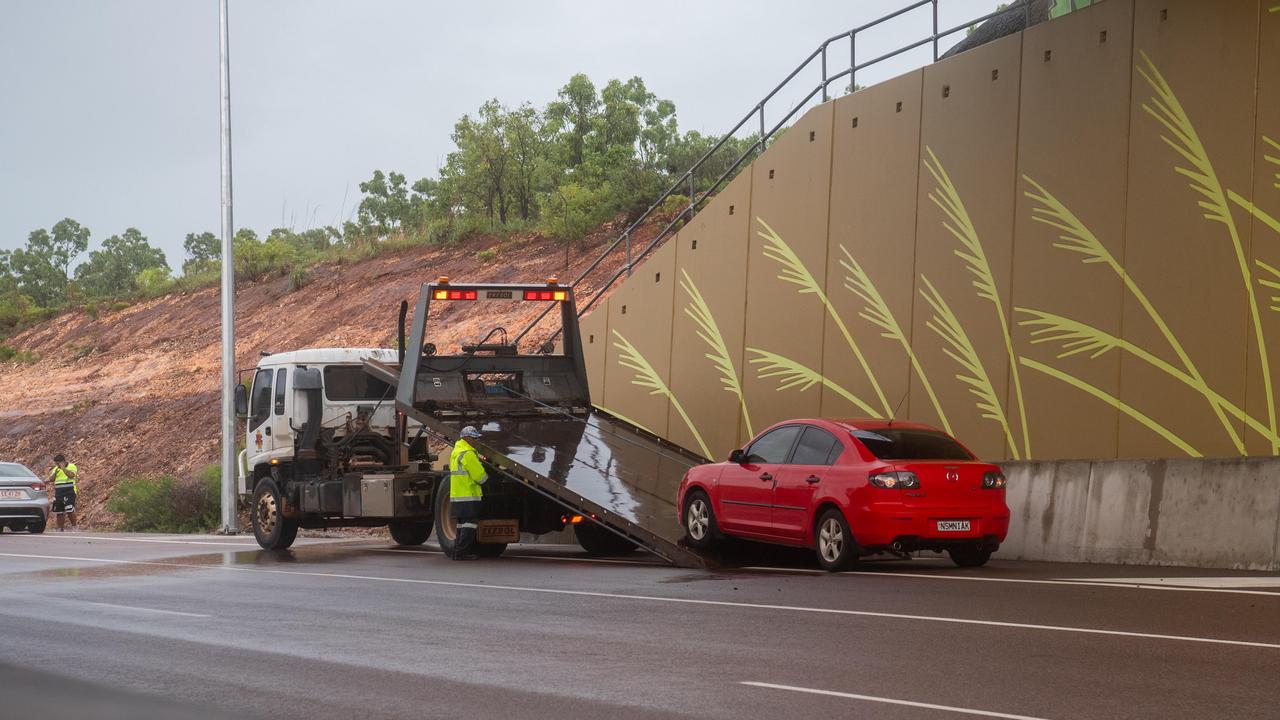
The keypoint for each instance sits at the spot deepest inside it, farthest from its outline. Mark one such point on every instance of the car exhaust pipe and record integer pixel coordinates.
(897, 546)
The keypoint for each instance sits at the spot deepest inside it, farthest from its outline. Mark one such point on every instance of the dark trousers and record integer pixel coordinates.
(466, 514)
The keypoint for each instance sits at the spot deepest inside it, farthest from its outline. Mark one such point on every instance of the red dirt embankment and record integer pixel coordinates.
(136, 391)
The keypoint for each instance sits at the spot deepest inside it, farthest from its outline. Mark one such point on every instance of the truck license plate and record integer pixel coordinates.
(498, 531)
(953, 526)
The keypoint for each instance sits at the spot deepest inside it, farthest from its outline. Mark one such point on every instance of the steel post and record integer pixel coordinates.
(935, 30)
(229, 474)
(824, 73)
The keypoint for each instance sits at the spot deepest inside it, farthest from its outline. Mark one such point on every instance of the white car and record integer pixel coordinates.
(24, 499)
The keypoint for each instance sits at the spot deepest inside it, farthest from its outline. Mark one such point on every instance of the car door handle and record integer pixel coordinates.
(766, 477)
(813, 479)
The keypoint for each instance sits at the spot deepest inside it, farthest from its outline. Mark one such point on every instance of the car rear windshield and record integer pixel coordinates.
(906, 444)
(351, 382)
(14, 471)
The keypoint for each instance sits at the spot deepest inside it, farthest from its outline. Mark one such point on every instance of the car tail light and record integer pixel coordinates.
(993, 480)
(38, 487)
(895, 479)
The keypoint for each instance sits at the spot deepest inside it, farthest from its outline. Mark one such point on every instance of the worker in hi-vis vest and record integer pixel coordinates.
(466, 476)
(63, 477)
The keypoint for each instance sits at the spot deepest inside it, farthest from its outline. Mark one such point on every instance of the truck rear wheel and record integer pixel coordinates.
(271, 529)
(598, 541)
(410, 532)
(445, 526)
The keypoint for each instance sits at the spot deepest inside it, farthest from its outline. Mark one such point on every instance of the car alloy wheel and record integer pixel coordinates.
(831, 540)
(698, 520)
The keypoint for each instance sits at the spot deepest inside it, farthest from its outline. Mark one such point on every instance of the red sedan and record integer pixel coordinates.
(848, 488)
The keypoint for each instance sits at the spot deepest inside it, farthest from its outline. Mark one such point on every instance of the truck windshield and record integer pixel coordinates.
(351, 382)
(905, 444)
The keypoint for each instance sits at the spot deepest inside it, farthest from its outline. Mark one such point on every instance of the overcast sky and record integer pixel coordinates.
(109, 108)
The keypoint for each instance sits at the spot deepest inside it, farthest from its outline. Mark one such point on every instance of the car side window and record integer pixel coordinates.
(260, 407)
(280, 385)
(773, 447)
(815, 447)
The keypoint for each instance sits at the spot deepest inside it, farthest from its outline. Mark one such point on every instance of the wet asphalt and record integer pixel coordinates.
(207, 627)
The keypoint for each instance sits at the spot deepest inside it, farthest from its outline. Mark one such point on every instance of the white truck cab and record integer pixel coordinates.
(275, 411)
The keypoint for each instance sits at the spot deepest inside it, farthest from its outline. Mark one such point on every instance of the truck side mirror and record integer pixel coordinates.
(736, 456)
(242, 402)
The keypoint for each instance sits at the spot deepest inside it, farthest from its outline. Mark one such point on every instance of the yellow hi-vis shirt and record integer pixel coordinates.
(466, 474)
(60, 476)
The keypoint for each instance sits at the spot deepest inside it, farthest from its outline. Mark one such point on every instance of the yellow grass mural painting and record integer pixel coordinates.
(795, 272)
(876, 311)
(647, 377)
(1154, 343)
(958, 347)
(960, 225)
(1180, 135)
(709, 331)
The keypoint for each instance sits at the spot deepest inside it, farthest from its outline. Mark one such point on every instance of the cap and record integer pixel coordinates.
(470, 432)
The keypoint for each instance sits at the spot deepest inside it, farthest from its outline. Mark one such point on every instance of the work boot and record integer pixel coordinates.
(462, 546)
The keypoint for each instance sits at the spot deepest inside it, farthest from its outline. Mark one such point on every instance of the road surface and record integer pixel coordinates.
(101, 625)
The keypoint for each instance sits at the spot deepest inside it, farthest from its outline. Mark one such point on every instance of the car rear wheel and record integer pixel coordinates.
(970, 555)
(700, 529)
(35, 527)
(834, 541)
(598, 541)
(271, 528)
(410, 532)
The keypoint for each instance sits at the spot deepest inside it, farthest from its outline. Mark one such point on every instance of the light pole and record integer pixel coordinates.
(229, 495)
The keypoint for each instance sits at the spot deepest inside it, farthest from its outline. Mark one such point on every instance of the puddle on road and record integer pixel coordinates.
(183, 563)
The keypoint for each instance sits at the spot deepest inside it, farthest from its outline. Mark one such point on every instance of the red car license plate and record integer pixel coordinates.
(953, 526)
(10, 494)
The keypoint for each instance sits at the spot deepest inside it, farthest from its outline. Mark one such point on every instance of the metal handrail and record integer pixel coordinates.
(696, 200)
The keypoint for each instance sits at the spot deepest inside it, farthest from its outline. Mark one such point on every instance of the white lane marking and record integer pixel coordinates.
(890, 701)
(681, 601)
(1217, 583)
(1122, 583)
(135, 608)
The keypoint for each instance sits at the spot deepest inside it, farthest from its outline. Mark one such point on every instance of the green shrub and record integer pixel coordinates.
(12, 354)
(298, 278)
(91, 309)
(575, 210)
(119, 305)
(154, 282)
(485, 256)
(168, 505)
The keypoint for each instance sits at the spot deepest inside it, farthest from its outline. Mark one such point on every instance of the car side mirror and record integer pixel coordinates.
(242, 402)
(737, 456)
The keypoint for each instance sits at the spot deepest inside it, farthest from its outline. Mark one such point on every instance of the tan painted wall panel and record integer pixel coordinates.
(640, 313)
(1207, 54)
(595, 344)
(717, 271)
(1074, 105)
(973, 133)
(780, 319)
(1266, 236)
(875, 167)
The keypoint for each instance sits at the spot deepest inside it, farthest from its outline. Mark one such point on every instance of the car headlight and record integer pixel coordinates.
(895, 479)
(994, 480)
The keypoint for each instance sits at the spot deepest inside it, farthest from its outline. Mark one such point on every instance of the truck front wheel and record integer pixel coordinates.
(410, 532)
(272, 530)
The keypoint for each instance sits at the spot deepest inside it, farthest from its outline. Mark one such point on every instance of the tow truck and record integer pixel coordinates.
(343, 437)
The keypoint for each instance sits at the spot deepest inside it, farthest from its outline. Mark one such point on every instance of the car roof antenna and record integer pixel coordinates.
(899, 406)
